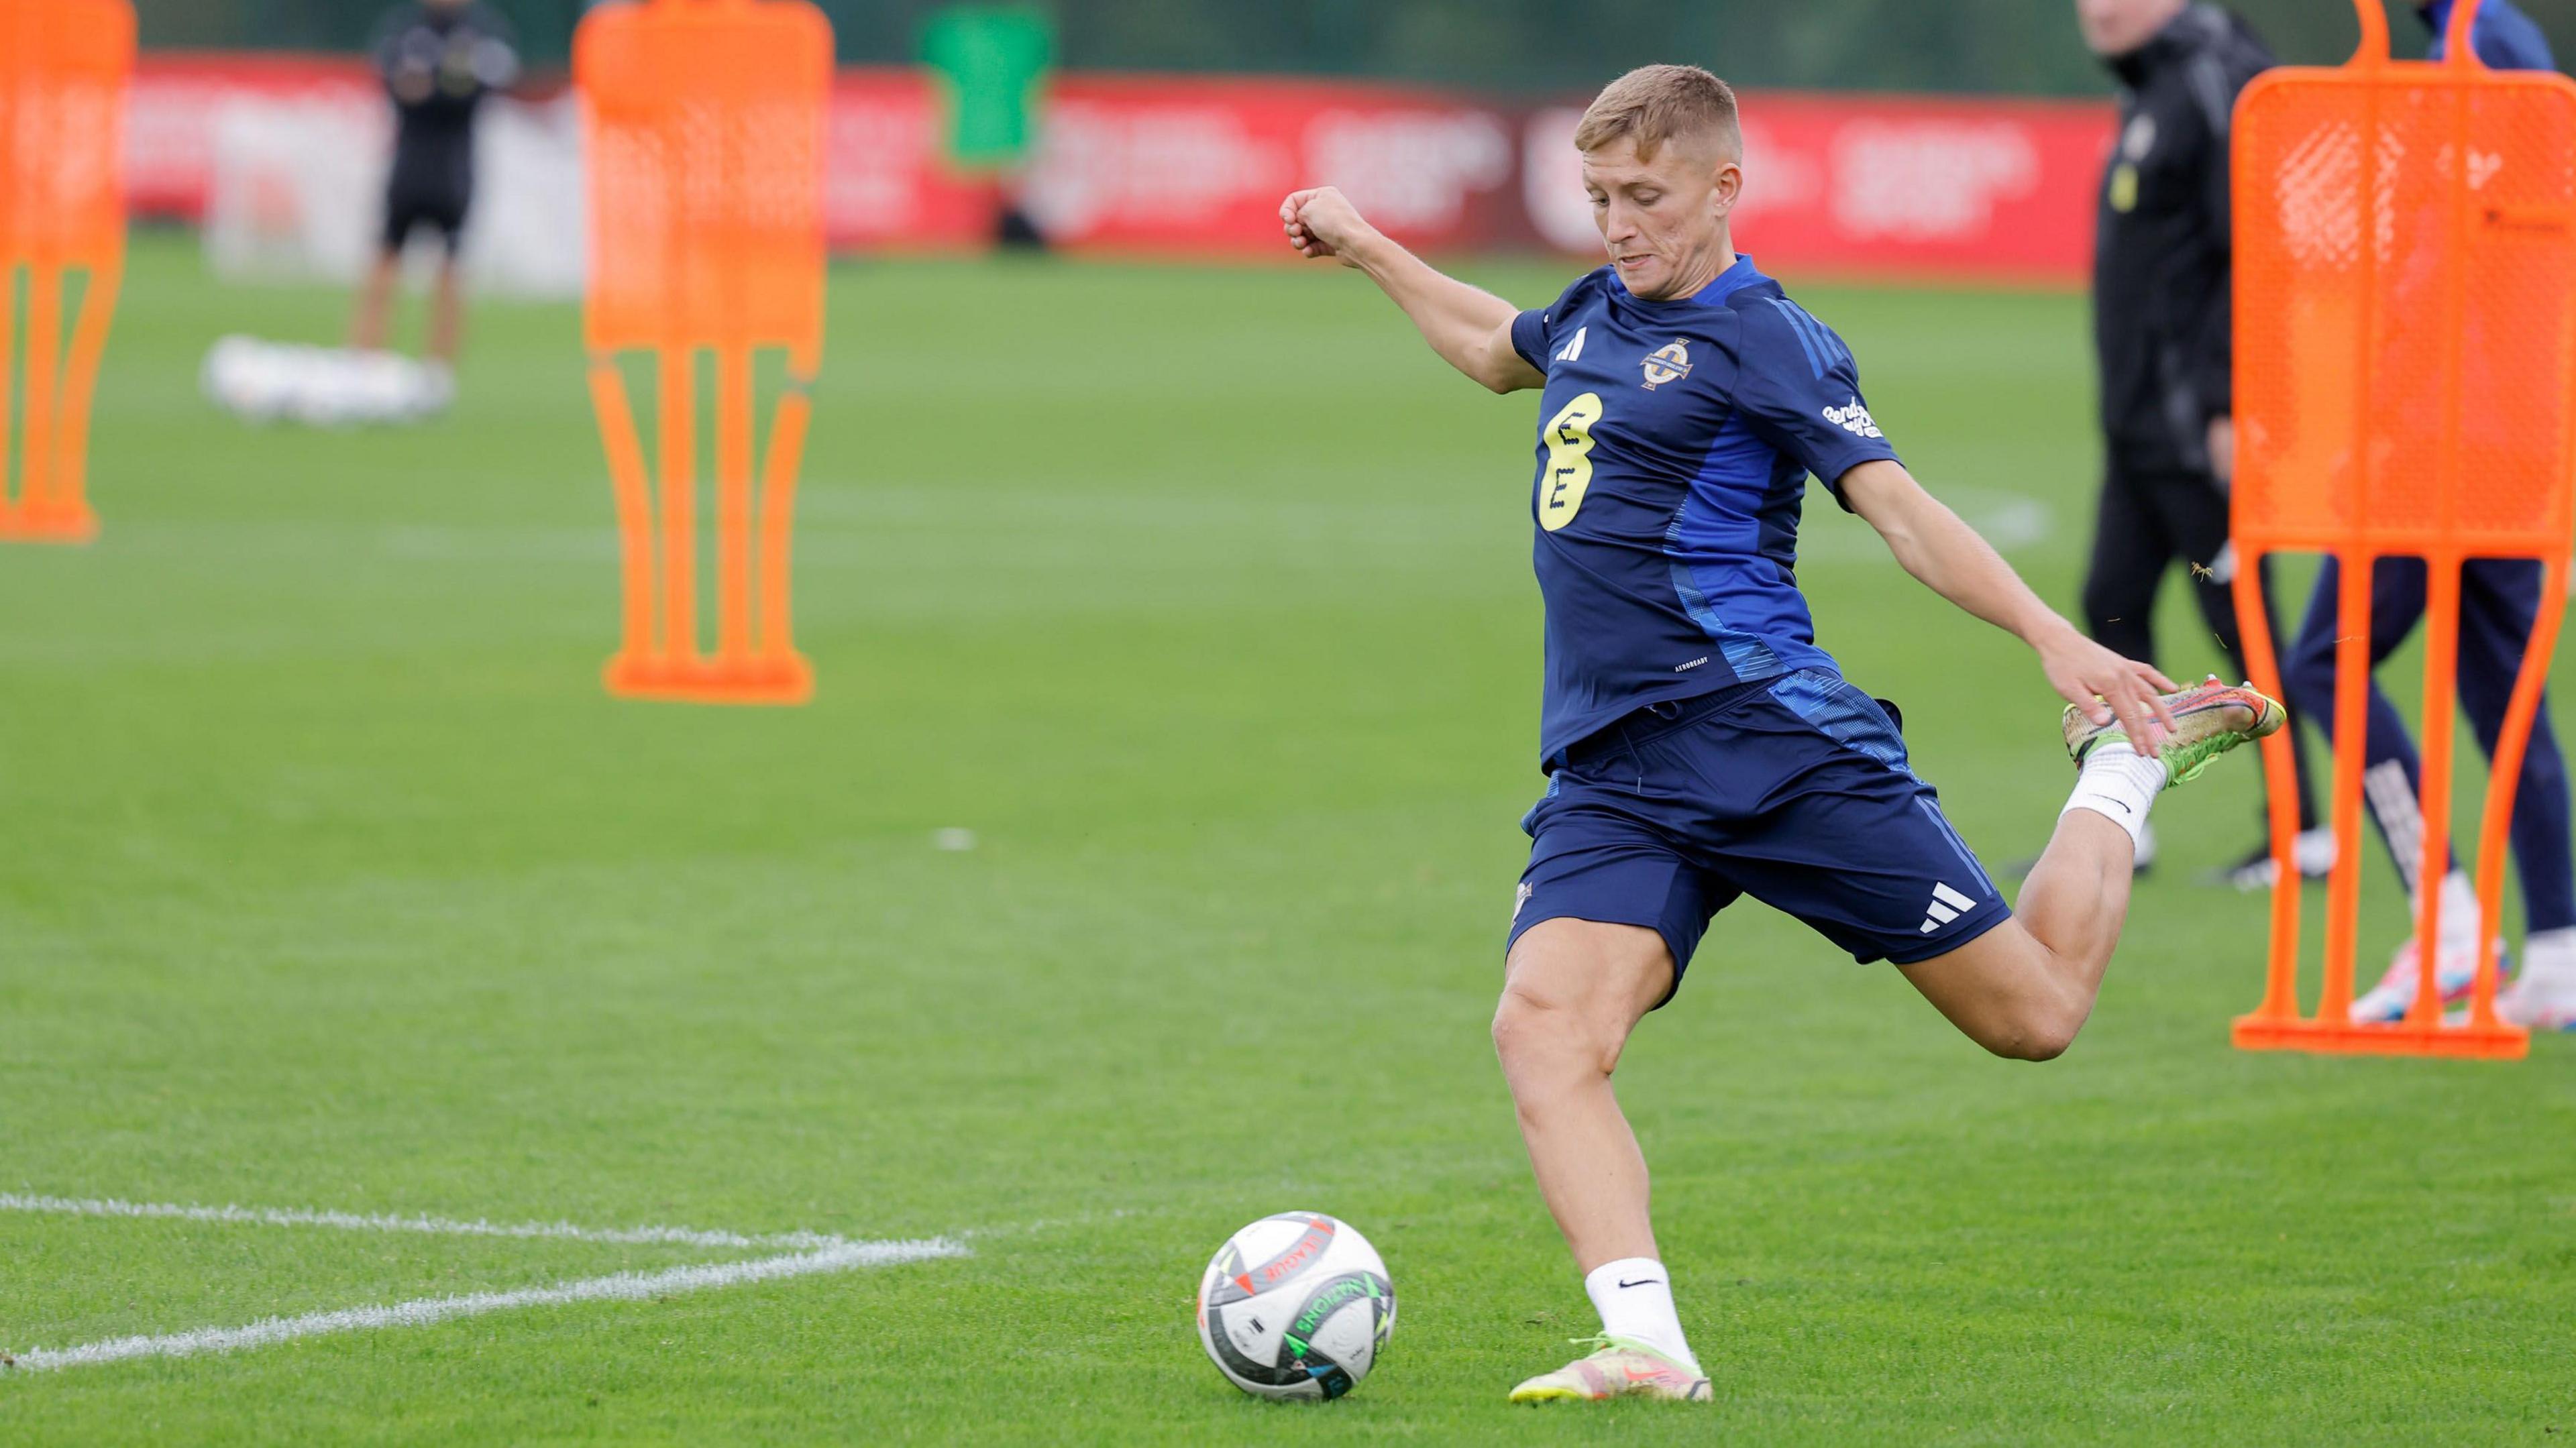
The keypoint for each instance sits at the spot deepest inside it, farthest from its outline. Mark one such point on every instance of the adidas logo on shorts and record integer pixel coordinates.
(1947, 905)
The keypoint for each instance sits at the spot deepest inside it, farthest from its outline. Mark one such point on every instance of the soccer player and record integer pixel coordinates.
(2163, 324)
(439, 58)
(2499, 600)
(1699, 745)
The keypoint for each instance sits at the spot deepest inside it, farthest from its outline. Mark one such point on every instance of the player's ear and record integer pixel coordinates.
(1727, 187)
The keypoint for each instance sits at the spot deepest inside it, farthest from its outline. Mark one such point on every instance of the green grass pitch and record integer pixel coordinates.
(1201, 597)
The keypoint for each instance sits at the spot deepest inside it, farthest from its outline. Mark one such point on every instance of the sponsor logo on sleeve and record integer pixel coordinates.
(1854, 419)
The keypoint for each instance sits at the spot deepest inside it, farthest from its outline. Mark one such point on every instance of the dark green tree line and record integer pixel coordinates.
(1528, 46)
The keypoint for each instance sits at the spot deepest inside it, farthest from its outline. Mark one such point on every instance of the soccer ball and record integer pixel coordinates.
(246, 376)
(321, 386)
(1296, 1306)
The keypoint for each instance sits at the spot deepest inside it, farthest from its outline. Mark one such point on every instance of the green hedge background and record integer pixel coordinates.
(2027, 46)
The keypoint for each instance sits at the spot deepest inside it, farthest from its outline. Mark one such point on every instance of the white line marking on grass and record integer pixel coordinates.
(813, 1253)
(1049, 1224)
(434, 1226)
(421, 1312)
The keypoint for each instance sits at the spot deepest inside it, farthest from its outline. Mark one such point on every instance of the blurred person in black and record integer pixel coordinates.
(2162, 314)
(438, 58)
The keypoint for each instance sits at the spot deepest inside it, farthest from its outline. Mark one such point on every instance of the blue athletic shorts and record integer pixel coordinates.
(1793, 790)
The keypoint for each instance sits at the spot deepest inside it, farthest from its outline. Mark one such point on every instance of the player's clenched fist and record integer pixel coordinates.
(1322, 222)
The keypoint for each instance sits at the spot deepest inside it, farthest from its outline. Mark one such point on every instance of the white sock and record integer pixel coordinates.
(1634, 1296)
(2118, 785)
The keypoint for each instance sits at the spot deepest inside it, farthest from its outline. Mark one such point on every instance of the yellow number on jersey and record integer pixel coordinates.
(1569, 461)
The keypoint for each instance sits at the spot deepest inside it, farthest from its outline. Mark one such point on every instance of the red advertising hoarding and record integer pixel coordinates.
(1194, 166)
(1995, 190)
(884, 188)
(170, 115)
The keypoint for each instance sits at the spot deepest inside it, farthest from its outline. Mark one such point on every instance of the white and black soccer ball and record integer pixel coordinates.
(1296, 1306)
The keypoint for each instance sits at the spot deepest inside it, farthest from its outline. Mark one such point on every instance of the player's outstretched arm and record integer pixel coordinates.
(1470, 329)
(1952, 560)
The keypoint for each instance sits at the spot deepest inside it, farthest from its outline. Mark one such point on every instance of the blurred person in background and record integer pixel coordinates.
(438, 58)
(2500, 598)
(2163, 335)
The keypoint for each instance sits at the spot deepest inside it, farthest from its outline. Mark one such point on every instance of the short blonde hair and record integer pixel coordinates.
(1655, 103)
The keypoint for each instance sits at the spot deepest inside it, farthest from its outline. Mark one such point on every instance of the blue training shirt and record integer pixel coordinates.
(2503, 37)
(1674, 443)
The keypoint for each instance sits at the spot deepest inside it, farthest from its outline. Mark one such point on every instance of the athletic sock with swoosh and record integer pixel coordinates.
(2118, 785)
(1634, 1296)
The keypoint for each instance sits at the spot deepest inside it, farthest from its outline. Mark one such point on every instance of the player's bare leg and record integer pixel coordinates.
(2025, 988)
(447, 312)
(1572, 992)
(368, 327)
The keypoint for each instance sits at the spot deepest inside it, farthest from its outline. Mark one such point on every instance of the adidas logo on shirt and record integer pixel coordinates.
(1854, 418)
(1947, 904)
